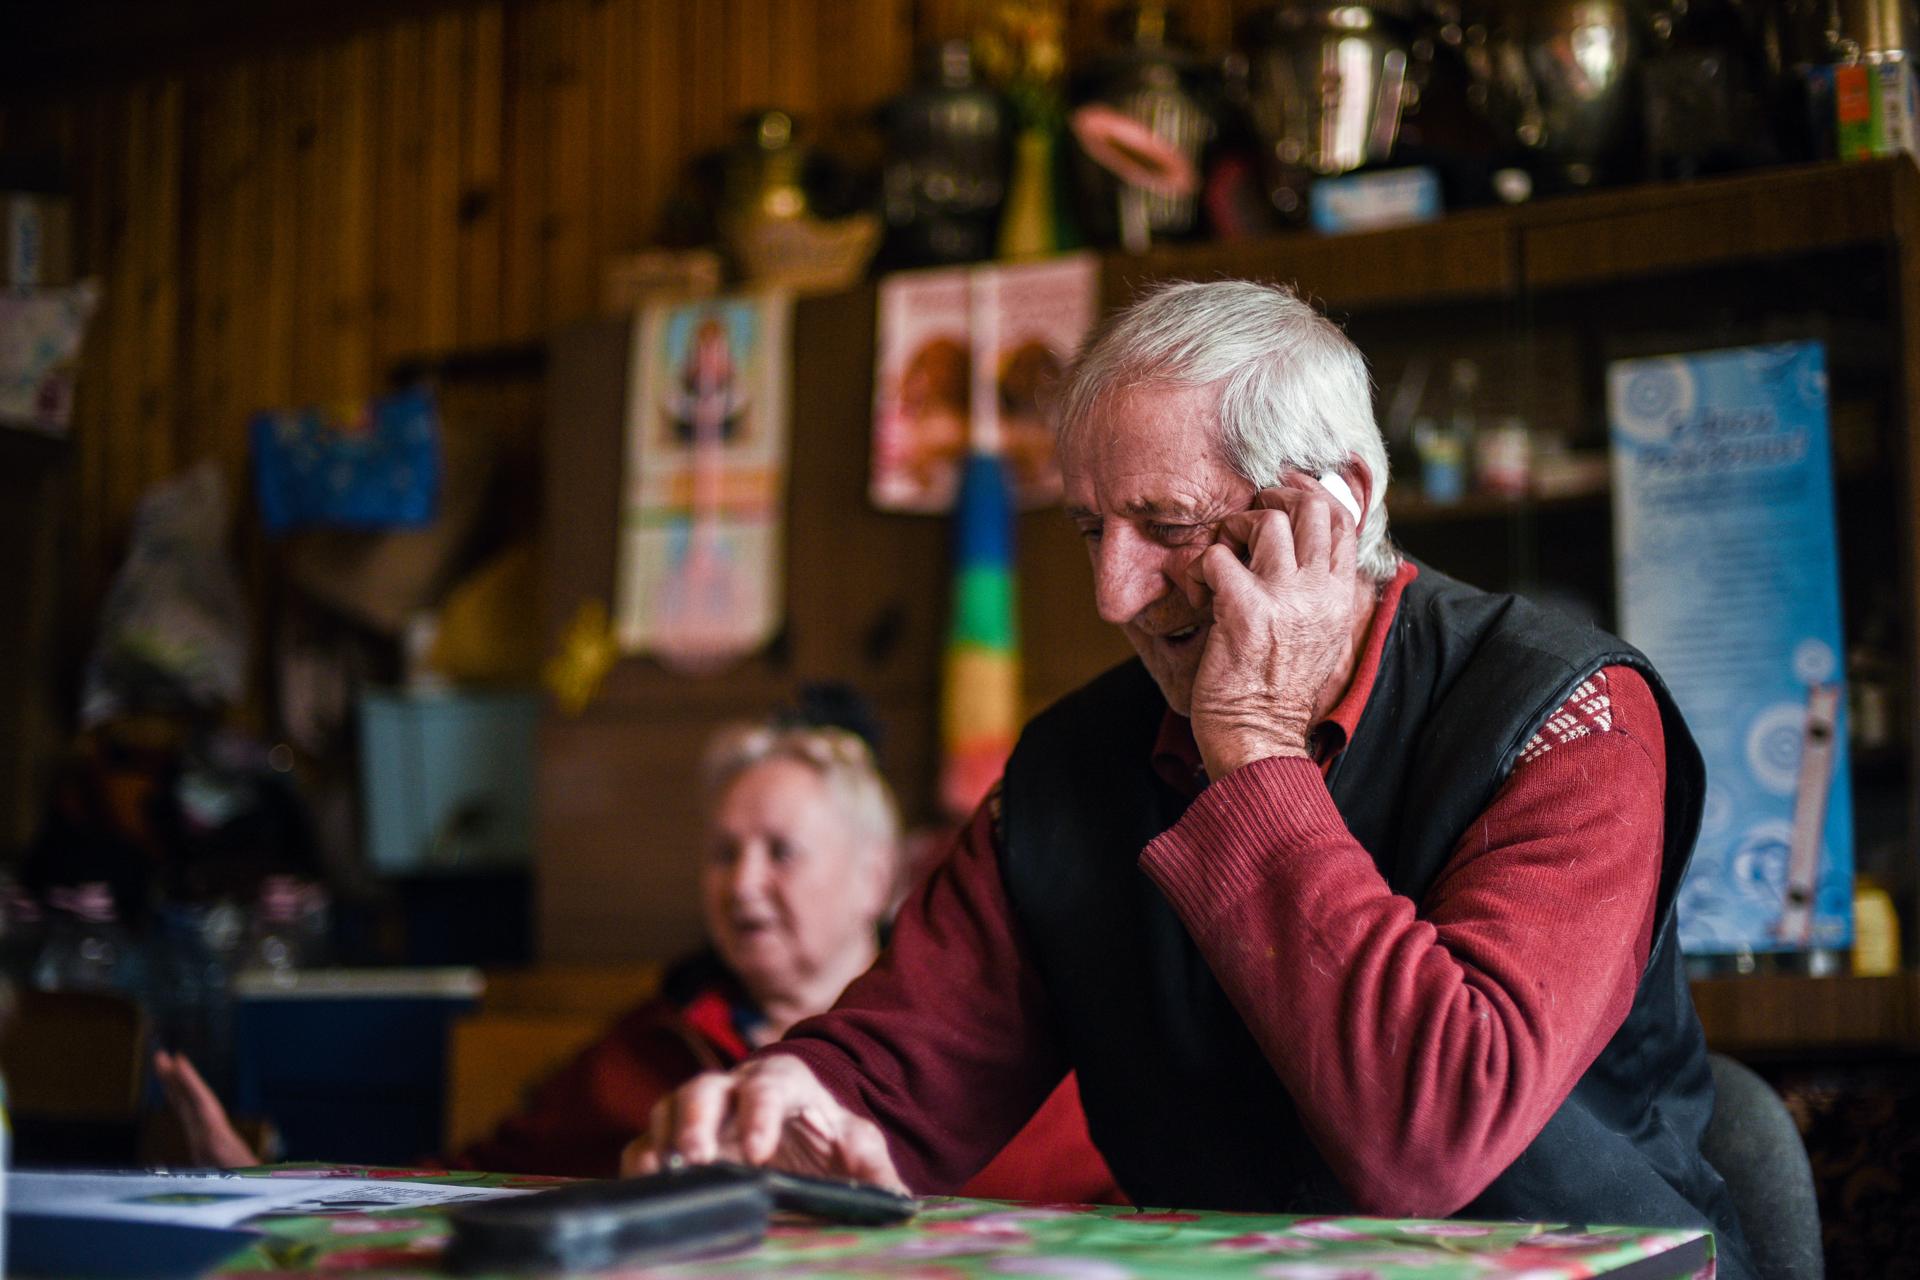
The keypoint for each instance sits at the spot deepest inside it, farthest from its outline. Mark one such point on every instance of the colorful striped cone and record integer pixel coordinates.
(980, 710)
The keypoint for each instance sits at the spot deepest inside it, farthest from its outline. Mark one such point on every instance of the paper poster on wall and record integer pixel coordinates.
(699, 581)
(1729, 581)
(922, 389)
(964, 359)
(40, 334)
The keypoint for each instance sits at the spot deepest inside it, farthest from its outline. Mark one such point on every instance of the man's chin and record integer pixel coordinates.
(1174, 677)
(1178, 693)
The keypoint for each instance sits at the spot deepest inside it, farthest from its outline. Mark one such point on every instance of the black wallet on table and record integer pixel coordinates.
(680, 1213)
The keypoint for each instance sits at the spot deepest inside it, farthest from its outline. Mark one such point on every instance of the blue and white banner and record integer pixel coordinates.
(1729, 581)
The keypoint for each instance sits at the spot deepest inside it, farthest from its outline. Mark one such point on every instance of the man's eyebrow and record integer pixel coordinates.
(1161, 510)
(1149, 507)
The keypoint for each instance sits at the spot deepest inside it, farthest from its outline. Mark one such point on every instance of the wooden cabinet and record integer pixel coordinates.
(1542, 296)
(1781, 1018)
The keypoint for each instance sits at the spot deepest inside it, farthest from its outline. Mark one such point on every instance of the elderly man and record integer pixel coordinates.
(1354, 892)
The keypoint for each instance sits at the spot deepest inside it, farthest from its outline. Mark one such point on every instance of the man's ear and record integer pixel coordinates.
(1359, 478)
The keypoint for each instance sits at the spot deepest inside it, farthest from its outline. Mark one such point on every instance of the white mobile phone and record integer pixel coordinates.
(1332, 482)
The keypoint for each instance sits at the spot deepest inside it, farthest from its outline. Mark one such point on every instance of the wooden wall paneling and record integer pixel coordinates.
(863, 55)
(350, 94)
(582, 473)
(611, 56)
(937, 20)
(31, 486)
(229, 369)
(155, 174)
(399, 268)
(118, 439)
(482, 141)
(275, 246)
(209, 218)
(572, 291)
(620, 836)
(866, 590)
(662, 122)
(137, 212)
(440, 182)
(791, 79)
(578, 913)
(524, 168)
(701, 78)
(94, 196)
(316, 250)
(748, 58)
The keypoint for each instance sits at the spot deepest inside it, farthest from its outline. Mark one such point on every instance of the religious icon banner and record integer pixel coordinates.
(701, 555)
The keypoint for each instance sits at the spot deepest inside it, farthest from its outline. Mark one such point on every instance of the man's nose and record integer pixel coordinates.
(1129, 573)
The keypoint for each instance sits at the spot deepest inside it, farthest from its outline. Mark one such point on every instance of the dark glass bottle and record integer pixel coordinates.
(948, 141)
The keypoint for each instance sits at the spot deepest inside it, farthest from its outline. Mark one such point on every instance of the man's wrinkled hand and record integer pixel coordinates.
(1282, 579)
(772, 1111)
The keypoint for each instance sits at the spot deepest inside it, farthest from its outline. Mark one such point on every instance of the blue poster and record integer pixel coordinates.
(1729, 581)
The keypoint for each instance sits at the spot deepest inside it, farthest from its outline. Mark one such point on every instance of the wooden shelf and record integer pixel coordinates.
(1411, 509)
(1622, 234)
(1779, 1016)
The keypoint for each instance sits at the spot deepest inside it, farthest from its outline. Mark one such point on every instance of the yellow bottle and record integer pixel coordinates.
(1876, 930)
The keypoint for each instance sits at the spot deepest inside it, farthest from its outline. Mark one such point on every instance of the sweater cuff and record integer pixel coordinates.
(1224, 847)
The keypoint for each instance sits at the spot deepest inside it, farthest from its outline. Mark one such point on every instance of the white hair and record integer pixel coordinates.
(1293, 389)
(841, 758)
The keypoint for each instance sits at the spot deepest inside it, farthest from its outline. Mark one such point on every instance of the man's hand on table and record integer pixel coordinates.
(1282, 580)
(771, 1111)
(212, 1141)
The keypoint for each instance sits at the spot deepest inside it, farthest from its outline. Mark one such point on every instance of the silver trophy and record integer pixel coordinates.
(1870, 31)
(1556, 76)
(1326, 85)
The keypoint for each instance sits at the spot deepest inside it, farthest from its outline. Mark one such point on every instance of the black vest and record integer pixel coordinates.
(1178, 1096)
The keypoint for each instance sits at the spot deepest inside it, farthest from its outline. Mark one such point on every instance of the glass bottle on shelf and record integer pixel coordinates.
(948, 140)
(1443, 461)
(290, 926)
(1446, 445)
(23, 931)
(195, 946)
(1875, 705)
(87, 948)
(1463, 412)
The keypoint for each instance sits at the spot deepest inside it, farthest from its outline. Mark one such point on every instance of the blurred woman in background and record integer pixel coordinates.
(801, 870)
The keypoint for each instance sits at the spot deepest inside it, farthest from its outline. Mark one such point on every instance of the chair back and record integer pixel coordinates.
(530, 1024)
(1755, 1145)
(494, 1059)
(74, 1056)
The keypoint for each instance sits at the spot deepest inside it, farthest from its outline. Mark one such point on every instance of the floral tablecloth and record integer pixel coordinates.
(953, 1239)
